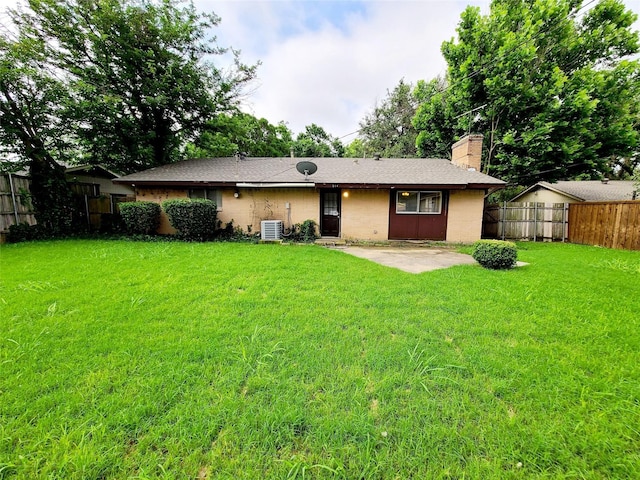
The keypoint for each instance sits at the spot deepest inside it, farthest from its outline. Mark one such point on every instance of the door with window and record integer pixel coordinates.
(418, 215)
(330, 213)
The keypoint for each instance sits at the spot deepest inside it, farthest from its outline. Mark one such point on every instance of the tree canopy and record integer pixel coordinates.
(388, 129)
(226, 135)
(32, 105)
(547, 82)
(122, 83)
(316, 142)
(135, 79)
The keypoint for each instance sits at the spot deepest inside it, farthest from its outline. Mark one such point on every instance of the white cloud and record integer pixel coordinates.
(332, 75)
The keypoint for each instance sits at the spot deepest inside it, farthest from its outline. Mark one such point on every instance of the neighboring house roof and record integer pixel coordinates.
(18, 173)
(338, 172)
(587, 190)
(92, 170)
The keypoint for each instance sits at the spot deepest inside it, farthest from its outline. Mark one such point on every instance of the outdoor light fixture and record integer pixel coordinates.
(405, 194)
(236, 194)
(345, 194)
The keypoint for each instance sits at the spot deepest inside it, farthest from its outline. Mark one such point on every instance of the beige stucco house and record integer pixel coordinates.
(349, 198)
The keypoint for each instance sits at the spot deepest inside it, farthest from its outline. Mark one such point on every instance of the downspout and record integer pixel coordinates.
(13, 197)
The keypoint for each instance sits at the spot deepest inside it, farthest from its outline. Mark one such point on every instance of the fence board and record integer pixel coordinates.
(22, 207)
(88, 209)
(606, 224)
(526, 220)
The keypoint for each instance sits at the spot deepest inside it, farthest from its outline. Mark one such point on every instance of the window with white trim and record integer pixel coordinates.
(418, 202)
(212, 194)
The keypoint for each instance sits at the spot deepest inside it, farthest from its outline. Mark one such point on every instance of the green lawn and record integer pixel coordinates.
(169, 360)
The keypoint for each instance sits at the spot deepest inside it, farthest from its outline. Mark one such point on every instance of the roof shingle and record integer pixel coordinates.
(338, 171)
(589, 190)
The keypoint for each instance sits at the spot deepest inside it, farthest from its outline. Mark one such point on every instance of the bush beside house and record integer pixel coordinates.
(194, 219)
(141, 217)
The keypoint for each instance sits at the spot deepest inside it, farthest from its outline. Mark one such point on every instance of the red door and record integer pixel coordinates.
(330, 213)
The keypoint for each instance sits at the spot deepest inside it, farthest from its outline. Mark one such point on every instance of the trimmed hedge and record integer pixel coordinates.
(495, 254)
(140, 217)
(194, 219)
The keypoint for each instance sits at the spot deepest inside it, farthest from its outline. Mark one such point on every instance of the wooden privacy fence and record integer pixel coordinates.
(526, 221)
(91, 211)
(606, 224)
(96, 210)
(15, 203)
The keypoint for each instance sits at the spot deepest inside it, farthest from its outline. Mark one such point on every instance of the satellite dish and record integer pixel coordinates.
(306, 168)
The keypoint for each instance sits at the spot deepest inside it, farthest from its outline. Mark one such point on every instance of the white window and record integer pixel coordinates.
(418, 202)
(212, 194)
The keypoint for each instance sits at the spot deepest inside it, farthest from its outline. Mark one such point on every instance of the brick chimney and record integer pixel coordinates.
(467, 152)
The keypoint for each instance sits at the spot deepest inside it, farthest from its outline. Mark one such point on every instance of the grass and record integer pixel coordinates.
(168, 360)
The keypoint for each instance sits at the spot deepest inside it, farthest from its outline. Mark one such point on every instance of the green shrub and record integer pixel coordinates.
(495, 254)
(304, 232)
(308, 231)
(194, 219)
(233, 233)
(23, 232)
(140, 217)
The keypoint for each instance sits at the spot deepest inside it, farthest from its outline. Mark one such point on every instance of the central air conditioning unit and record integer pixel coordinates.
(271, 229)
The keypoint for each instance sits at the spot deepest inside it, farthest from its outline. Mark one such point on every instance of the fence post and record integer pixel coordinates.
(13, 198)
(535, 221)
(86, 207)
(565, 221)
(503, 217)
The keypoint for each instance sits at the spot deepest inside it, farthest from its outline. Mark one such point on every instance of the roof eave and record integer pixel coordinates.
(173, 183)
(350, 185)
(86, 169)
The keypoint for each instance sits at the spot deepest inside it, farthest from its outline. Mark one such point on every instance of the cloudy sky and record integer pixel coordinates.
(329, 62)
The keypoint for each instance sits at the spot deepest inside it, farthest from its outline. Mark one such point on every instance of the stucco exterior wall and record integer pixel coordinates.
(250, 208)
(256, 204)
(159, 195)
(464, 223)
(365, 215)
(546, 196)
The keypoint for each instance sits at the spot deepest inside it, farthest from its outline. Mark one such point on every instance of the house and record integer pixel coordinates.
(96, 181)
(95, 199)
(361, 198)
(578, 191)
(96, 196)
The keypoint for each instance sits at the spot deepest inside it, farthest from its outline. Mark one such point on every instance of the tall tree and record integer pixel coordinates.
(31, 126)
(388, 129)
(546, 82)
(139, 72)
(316, 142)
(434, 119)
(226, 135)
(356, 149)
